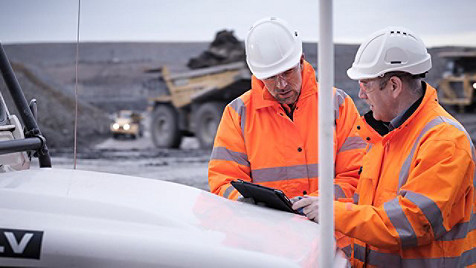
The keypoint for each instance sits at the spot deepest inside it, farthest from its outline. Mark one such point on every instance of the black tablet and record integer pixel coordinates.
(272, 198)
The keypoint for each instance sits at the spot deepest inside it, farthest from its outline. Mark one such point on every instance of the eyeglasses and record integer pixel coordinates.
(383, 79)
(284, 75)
(366, 84)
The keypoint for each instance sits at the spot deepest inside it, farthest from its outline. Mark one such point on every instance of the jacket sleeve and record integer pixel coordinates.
(229, 160)
(436, 196)
(350, 147)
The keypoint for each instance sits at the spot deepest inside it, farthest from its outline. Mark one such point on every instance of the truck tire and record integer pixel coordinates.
(207, 118)
(164, 128)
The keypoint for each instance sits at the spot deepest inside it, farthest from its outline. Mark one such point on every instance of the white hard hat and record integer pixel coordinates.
(388, 50)
(272, 47)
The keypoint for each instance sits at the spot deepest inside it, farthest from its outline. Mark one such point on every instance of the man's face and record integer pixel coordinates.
(286, 86)
(377, 98)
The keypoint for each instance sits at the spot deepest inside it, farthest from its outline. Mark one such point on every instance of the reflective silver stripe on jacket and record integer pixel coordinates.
(429, 208)
(352, 143)
(404, 171)
(460, 230)
(222, 153)
(338, 192)
(393, 260)
(228, 191)
(347, 250)
(356, 198)
(399, 220)
(369, 147)
(434, 216)
(339, 99)
(239, 106)
(284, 173)
(432, 213)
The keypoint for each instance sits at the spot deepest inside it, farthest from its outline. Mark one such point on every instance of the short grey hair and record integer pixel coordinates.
(413, 82)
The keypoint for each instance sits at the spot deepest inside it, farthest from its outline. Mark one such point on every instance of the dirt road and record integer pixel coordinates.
(187, 165)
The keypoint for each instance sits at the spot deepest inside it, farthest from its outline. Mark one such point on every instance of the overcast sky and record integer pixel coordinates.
(438, 22)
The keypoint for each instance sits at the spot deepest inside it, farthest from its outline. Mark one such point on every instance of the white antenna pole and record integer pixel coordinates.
(325, 71)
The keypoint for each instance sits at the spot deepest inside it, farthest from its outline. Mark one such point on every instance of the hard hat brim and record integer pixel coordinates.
(284, 66)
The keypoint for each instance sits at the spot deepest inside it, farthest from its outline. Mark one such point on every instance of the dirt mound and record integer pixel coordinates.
(56, 110)
(224, 49)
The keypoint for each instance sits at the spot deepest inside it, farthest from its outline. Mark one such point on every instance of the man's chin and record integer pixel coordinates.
(288, 101)
(376, 116)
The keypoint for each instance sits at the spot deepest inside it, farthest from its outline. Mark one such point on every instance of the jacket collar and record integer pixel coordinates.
(371, 127)
(262, 98)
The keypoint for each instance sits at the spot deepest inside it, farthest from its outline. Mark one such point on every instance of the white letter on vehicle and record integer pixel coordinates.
(18, 248)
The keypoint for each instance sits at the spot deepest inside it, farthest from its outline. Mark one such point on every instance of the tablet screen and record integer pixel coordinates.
(273, 198)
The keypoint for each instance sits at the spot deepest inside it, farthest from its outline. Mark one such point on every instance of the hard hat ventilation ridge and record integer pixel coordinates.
(398, 32)
(393, 32)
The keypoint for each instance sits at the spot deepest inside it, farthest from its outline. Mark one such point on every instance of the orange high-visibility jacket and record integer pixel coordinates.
(415, 202)
(256, 141)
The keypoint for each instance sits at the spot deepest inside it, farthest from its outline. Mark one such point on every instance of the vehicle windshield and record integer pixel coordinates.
(124, 114)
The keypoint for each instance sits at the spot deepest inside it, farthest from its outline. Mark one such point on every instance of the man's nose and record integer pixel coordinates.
(281, 82)
(362, 93)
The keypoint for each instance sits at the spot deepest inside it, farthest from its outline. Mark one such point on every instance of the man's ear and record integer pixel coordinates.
(301, 61)
(396, 86)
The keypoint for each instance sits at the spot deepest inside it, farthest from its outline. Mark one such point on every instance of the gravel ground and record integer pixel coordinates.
(186, 165)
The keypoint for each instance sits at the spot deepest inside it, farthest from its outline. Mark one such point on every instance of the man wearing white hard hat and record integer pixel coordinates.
(268, 135)
(415, 201)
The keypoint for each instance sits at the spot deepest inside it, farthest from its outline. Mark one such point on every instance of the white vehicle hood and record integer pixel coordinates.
(92, 219)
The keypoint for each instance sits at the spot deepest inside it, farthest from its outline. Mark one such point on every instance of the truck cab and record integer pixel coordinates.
(458, 84)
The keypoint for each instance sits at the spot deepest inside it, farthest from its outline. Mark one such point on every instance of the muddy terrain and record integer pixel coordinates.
(186, 165)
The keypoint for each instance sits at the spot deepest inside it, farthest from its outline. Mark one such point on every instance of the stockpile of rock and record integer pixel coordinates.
(224, 49)
(56, 110)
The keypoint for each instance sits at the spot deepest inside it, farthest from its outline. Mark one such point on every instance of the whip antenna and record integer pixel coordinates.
(76, 88)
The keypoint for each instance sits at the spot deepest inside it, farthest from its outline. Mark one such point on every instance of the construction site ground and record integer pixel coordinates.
(186, 165)
(138, 157)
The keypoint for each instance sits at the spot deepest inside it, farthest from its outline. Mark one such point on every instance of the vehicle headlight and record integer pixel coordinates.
(115, 126)
(126, 126)
(474, 85)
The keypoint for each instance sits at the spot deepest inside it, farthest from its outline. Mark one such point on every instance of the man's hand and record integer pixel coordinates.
(295, 199)
(310, 207)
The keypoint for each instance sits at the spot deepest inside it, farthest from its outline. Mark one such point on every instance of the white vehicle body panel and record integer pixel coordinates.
(92, 219)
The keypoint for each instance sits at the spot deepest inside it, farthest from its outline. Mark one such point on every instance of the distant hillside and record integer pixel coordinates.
(113, 75)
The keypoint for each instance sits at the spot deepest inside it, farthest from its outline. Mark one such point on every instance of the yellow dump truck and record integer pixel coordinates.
(459, 79)
(195, 102)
